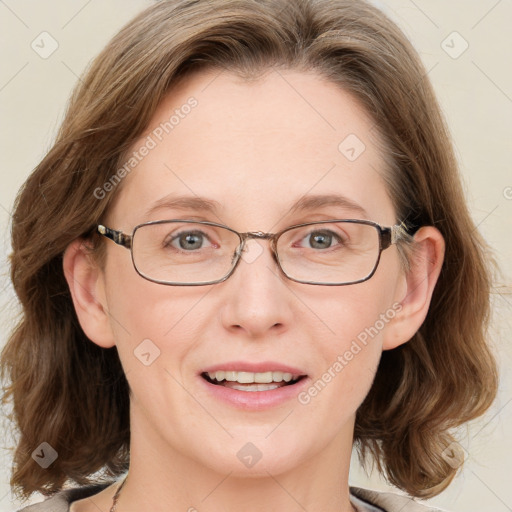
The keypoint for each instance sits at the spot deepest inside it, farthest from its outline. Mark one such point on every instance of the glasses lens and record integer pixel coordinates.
(184, 252)
(330, 252)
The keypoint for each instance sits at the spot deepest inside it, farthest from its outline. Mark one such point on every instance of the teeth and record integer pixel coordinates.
(249, 377)
(255, 387)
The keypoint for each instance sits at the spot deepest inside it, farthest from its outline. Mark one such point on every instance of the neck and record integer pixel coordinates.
(163, 478)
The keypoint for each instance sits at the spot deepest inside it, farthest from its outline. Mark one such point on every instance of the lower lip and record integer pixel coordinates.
(255, 400)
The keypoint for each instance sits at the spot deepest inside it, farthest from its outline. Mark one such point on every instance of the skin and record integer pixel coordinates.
(244, 145)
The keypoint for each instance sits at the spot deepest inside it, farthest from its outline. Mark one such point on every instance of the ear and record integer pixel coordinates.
(425, 266)
(86, 283)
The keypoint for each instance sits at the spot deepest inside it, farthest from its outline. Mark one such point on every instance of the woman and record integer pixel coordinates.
(247, 250)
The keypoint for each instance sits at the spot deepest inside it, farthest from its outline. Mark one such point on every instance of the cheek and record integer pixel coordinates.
(156, 329)
(140, 310)
(354, 349)
(359, 312)
(355, 319)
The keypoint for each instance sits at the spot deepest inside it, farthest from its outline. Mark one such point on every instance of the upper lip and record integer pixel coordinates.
(245, 366)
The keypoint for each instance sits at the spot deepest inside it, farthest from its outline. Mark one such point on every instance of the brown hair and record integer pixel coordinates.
(72, 394)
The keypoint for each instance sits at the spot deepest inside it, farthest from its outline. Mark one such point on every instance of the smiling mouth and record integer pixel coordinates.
(247, 381)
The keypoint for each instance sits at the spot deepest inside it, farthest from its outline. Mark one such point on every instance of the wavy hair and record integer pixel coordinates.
(69, 392)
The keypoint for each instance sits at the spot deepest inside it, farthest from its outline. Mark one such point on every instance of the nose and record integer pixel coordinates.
(256, 298)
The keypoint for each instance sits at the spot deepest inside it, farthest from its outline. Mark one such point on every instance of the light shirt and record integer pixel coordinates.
(365, 500)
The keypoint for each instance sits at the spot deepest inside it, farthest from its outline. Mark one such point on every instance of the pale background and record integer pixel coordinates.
(474, 88)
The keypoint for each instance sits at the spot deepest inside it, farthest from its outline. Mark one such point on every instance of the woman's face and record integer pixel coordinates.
(254, 149)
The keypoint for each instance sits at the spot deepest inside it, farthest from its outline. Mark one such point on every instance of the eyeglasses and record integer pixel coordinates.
(194, 253)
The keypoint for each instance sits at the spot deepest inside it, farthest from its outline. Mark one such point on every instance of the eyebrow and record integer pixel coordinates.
(312, 202)
(185, 203)
(309, 202)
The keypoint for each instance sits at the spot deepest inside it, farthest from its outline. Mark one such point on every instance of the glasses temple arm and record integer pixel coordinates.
(117, 237)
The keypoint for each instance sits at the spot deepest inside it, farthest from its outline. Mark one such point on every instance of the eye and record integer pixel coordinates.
(186, 240)
(321, 239)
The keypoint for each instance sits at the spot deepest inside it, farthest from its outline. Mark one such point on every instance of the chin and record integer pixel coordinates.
(247, 455)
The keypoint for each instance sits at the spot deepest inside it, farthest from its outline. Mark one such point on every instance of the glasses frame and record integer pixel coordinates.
(387, 237)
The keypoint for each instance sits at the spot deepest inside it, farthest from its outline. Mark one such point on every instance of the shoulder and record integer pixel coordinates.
(388, 501)
(59, 502)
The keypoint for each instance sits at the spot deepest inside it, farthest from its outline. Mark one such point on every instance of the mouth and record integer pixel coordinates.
(250, 381)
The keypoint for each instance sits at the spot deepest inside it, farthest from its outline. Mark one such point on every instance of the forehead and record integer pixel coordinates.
(254, 148)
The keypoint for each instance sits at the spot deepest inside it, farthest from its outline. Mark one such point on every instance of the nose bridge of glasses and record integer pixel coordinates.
(259, 235)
